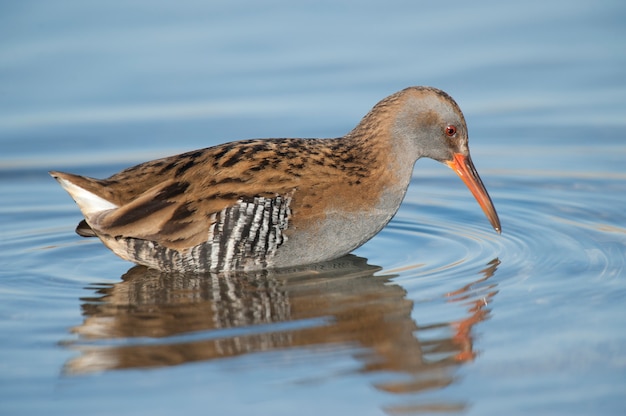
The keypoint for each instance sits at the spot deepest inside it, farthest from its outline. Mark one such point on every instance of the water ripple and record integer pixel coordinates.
(550, 225)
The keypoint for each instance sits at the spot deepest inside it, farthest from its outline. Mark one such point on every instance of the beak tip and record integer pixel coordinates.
(495, 222)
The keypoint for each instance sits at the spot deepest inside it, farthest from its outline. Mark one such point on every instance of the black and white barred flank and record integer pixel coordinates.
(243, 236)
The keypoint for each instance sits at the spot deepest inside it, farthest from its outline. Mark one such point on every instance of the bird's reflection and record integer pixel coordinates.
(153, 319)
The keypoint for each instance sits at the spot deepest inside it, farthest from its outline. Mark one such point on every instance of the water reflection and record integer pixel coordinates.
(152, 319)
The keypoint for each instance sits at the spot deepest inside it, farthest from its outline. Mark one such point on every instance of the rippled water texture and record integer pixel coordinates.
(436, 314)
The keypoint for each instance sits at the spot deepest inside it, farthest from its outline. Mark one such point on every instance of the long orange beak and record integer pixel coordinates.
(464, 167)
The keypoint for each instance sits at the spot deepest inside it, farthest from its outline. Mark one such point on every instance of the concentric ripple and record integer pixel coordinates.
(564, 222)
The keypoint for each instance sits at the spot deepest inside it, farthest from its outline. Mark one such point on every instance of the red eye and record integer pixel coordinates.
(450, 130)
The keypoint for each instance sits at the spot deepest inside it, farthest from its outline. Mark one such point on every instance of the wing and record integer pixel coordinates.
(159, 214)
(170, 214)
(179, 215)
(176, 201)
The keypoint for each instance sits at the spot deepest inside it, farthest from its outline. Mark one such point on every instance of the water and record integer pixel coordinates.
(436, 314)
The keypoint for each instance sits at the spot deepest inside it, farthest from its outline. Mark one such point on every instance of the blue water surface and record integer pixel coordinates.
(436, 314)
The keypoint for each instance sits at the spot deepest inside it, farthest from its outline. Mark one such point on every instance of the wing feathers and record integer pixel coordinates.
(175, 201)
(166, 213)
(163, 214)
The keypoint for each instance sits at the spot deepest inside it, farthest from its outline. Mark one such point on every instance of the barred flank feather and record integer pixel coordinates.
(243, 236)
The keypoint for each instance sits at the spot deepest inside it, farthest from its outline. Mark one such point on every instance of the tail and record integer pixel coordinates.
(82, 190)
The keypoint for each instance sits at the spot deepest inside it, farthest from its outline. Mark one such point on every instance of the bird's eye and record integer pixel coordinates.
(450, 130)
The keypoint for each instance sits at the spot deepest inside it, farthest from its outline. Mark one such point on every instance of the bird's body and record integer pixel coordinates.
(273, 203)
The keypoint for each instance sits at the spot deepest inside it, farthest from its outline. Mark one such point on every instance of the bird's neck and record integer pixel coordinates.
(389, 159)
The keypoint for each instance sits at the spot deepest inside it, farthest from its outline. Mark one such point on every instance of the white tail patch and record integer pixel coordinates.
(88, 202)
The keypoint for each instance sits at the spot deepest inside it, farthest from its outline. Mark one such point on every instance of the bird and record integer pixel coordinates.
(276, 203)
